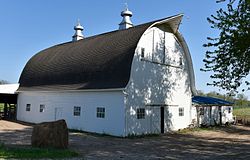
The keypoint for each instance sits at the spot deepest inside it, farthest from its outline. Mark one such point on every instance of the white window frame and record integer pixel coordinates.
(42, 108)
(77, 111)
(140, 113)
(181, 111)
(28, 107)
(100, 112)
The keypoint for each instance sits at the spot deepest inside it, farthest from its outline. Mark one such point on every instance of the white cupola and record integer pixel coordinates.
(78, 32)
(126, 22)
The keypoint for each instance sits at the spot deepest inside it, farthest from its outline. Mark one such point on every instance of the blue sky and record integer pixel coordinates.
(29, 26)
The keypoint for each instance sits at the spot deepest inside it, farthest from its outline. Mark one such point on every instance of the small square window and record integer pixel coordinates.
(100, 112)
(142, 52)
(42, 107)
(181, 111)
(77, 111)
(140, 113)
(28, 107)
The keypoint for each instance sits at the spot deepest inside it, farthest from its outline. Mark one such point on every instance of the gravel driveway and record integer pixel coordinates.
(224, 143)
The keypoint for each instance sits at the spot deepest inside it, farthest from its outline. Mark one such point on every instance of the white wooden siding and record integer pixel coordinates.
(60, 105)
(157, 81)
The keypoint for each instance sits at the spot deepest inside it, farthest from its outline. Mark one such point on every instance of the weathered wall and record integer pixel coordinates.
(60, 105)
(213, 117)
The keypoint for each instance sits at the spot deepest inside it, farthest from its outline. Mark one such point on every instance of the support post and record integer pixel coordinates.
(220, 114)
(5, 109)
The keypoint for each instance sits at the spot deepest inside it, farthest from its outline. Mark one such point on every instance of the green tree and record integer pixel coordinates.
(229, 54)
(241, 101)
(3, 82)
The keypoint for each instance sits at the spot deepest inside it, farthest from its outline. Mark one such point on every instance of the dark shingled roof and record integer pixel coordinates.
(210, 101)
(98, 62)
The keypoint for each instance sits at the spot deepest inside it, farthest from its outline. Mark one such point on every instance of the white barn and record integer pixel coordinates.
(132, 81)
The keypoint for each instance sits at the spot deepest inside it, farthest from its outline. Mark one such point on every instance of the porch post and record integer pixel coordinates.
(220, 114)
(5, 109)
(198, 115)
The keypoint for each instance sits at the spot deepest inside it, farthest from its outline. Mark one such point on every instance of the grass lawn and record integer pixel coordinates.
(1, 106)
(241, 112)
(34, 153)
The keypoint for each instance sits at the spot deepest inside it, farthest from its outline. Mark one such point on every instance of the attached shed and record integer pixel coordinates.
(212, 111)
(8, 98)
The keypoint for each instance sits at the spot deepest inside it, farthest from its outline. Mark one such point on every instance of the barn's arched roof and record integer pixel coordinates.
(98, 62)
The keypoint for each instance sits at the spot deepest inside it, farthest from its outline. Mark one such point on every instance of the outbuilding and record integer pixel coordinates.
(212, 111)
(8, 98)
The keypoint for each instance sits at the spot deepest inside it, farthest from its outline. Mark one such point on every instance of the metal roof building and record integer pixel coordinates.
(210, 101)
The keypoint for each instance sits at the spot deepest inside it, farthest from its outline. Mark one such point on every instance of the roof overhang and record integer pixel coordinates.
(8, 98)
(76, 90)
(174, 22)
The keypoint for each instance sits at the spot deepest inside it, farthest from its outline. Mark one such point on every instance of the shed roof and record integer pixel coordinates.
(210, 101)
(98, 62)
(8, 88)
(8, 93)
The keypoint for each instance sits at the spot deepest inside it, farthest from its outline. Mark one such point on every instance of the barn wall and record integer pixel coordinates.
(157, 80)
(60, 105)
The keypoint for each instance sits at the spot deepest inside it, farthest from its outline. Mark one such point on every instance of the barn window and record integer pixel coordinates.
(140, 113)
(229, 109)
(142, 52)
(181, 63)
(201, 111)
(181, 111)
(77, 111)
(42, 107)
(28, 107)
(100, 112)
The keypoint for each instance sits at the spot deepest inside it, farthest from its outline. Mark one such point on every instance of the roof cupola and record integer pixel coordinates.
(78, 32)
(126, 22)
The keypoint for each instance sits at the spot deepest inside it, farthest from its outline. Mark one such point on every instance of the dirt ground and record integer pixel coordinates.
(223, 143)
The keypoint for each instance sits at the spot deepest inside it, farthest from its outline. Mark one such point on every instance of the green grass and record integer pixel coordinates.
(242, 112)
(134, 136)
(198, 129)
(1, 106)
(34, 153)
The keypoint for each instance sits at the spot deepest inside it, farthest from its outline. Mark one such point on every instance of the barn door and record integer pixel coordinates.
(58, 113)
(156, 120)
(162, 120)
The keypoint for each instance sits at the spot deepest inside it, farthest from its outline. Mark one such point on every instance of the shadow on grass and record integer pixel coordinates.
(34, 153)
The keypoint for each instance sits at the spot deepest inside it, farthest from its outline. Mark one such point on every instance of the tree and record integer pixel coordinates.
(3, 82)
(229, 54)
(241, 101)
